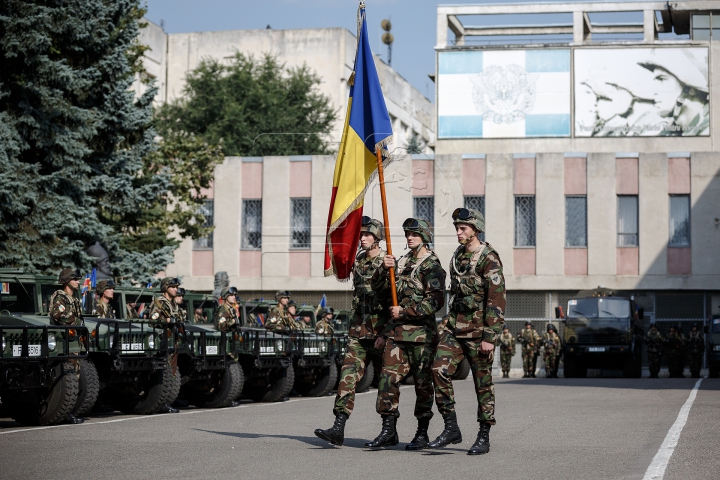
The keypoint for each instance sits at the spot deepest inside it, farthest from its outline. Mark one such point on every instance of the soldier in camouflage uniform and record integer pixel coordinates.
(655, 342)
(180, 301)
(227, 315)
(507, 350)
(279, 320)
(551, 347)
(471, 329)
(675, 349)
(411, 333)
(530, 340)
(105, 291)
(696, 349)
(324, 326)
(367, 326)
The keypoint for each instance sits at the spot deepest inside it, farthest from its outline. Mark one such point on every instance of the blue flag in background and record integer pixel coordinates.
(323, 302)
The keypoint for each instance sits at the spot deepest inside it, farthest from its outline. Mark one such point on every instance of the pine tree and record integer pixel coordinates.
(414, 144)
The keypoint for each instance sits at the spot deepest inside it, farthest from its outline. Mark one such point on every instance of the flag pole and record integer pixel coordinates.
(381, 179)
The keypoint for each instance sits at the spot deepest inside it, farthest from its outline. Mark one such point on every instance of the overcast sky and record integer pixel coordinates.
(413, 23)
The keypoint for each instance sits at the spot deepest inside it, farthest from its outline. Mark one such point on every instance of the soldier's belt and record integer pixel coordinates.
(460, 307)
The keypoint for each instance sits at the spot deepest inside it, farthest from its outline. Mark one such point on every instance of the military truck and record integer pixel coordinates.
(316, 370)
(602, 331)
(713, 357)
(342, 321)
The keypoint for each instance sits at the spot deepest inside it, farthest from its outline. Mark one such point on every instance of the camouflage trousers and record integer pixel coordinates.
(551, 359)
(360, 354)
(529, 359)
(399, 360)
(654, 363)
(505, 360)
(449, 354)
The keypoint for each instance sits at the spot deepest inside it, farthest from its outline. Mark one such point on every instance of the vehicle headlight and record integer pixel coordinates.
(323, 347)
(279, 345)
(3, 342)
(151, 341)
(716, 348)
(52, 343)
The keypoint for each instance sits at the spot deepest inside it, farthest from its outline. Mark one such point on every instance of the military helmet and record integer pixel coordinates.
(103, 285)
(695, 325)
(181, 292)
(374, 227)
(292, 303)
(469, 216)
(505, 327)
(419, 226)
(169, 282)
(528, 323)
(68, 274)
(551, 327)
(281, 294)
(227, 291)
(328, 311)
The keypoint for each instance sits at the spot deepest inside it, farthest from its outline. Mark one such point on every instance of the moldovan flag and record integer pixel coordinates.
(367, 128)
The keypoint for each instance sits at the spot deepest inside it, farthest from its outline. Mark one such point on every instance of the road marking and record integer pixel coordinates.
(656, 470)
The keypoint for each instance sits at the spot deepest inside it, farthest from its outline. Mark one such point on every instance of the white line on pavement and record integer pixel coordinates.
(656, 470)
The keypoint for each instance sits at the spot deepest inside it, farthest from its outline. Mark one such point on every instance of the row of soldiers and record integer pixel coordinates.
(678, 349)
(531, 342)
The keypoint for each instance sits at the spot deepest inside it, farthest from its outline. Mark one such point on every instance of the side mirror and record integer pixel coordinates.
(559, 312)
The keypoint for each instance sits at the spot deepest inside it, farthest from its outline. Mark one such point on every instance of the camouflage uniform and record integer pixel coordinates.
(696, 349)
(226, 317)
(412, 338)
(477, 313)
(507, 351)
(551, 346)
(654, 341)
(369, 318)
(530, 340)
(279, 320)
(65, 309)
(675, 348)
(324, 327)
(102, 309)
(163, 312)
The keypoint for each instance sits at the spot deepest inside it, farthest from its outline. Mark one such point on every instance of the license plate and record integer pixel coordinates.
(267, 350)
(596, 349)
(311, 350)
(132, 346)
(33, 350)
(211, 350)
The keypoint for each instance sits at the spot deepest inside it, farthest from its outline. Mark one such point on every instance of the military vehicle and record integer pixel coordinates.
(713, 357)
(342, 321)
(602, 331)
(316, 370)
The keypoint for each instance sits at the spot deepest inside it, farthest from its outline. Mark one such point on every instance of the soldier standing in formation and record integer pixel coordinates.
(227, 315)
(366, 336)
(551, 344)
(654, 341)
(507, 351)
(324, 326)
(279, 319)
(411, 333)
(470, 330)
(180, 301)
(696, 349)
(675, 347)
(530, 340)
(105, 290)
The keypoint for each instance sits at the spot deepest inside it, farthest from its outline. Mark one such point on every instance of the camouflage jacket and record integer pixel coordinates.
(654, 342)
(507, 343)
(103, 310)
(226, 317)
(164, 311)
(279, 320)
(64, 309)
(530, 339)
(696, 342)
(182, 314)
(420, 289)
(477, 289)
(675, 343)
(323, 327)
(370, 307)
(551, 342)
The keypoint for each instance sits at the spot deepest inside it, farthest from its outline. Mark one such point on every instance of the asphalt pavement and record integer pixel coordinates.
(547, 428)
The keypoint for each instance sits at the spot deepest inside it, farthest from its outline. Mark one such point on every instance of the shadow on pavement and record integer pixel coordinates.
(312, 441)
(633, 383)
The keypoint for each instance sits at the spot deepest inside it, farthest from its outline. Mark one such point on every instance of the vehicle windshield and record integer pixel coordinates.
(715, 325)
(18, 297)
(307, 317)
(255, 315)
(599, 308)
(204, 311)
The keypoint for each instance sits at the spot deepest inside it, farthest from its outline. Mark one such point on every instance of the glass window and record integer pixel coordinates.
(701, 21)
(208, 210)
(251, 224)
(598, 308)
(701, 27)
(575, 221)
(525, 221)
(679, 221)
(300, 222)
(627, 221)
(476, 203)
(424, 208)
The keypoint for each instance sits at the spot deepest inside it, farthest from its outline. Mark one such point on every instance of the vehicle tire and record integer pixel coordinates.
(88, 388)
(325, 378)
(463, 370)
(364, 384)
(149, 399)
(279, 386)
(713, 371)
(171, 384)
(47, 406)
(224, 387)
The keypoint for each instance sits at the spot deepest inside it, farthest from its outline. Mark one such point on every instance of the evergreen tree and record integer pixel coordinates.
(251, 106)
(414, 144)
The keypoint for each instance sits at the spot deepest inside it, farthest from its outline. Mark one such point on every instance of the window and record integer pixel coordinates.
(701, 27)
(251, 224)
(300, 223)
(424, 208)
(206, 243)
(476, 203)
(627, 221)
(525, 221)
(575, 221)
(679, 221)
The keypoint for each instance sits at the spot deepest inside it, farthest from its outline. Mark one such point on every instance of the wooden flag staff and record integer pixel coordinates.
(381, 179)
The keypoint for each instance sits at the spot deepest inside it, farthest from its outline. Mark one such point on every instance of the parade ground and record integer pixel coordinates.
(547, 428)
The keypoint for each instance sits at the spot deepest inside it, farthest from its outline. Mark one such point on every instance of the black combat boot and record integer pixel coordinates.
(72, 419)
(388, 435)
(421, 439)
(168, 409)
(482, 444)
(451, 433)
(336, 433)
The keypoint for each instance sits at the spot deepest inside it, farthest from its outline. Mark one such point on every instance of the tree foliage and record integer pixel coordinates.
(253, 108)
(414, 144)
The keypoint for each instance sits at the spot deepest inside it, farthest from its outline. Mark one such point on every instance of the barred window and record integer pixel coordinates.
(679, 221)
(525, 221)
(300, 223)
(208, 210)
(575, 221)
(424, 208)
(251, 224)
(476, 203)
(627, 221)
